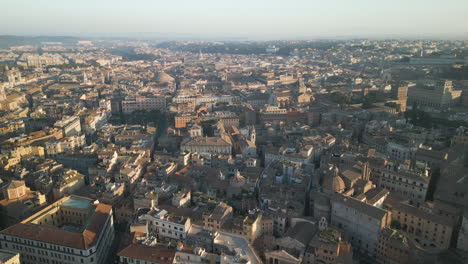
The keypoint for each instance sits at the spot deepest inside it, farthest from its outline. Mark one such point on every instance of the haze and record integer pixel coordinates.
(252, 19)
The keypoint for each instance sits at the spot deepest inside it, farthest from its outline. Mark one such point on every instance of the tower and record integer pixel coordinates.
(421, 47)
(253, 135)
(85, 77)
(2, 93)
(302, 86)
(402, 97)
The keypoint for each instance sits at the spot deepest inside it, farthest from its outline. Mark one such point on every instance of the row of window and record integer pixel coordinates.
(44, 245)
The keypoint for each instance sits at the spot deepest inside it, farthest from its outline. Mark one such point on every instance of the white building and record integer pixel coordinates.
(181, 198)
(302, 156)
(97, 120)
(71, 126)
(143, 103)
(212, 145)
(64, 145)
(166, 226)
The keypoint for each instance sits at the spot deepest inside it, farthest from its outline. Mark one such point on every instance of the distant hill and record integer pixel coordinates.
(7, 41)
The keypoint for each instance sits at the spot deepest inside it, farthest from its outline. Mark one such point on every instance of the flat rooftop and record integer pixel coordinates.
(76, 202)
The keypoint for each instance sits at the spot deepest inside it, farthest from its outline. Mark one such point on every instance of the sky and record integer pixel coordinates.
(251, 19)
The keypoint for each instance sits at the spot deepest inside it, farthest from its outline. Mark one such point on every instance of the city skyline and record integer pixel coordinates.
(234, 132)
(258, 20)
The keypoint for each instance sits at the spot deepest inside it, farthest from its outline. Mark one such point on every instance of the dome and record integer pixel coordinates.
(333, 182)
(162, 77)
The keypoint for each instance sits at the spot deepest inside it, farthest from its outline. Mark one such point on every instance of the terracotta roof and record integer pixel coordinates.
(62, 237)
(147, 253)
(99, 218)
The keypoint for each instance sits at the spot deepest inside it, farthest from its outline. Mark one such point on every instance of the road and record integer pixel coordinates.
(237, 242)
(161, 129)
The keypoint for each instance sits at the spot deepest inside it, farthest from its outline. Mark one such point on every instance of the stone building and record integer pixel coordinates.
(72, 230)
(19, 202)
(360, 221)
(212, 145)
(437, 94)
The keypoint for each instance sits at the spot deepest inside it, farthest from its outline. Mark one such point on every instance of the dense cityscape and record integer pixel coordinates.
(233, 152)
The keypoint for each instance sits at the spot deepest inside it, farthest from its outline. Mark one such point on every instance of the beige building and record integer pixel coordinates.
(9, 257)
(2, 93)
(13, 101)
(66, 144)
(70, 182)
(402, 97)
(430, 229)
(195, 131)
(252, 227)
(19, 202)
(393, 247)
(434, 94)
(327, 247)
(360, 221)
(35, 60)
(281, 257)
(461, 138)
(12, 77)
(72, 230)
(216, 219)
(145, 200)
(20, 152)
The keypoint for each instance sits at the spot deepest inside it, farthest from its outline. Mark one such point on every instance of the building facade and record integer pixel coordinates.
(143, 103)
(362, 222)
(71, 230)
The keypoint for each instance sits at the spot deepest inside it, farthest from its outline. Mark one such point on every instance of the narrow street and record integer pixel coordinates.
(161, 129)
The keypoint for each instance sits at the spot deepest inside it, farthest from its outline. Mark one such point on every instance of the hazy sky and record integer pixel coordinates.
(254, 19)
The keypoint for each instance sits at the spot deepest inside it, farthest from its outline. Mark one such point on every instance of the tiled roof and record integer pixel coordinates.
(362, 207)
(62, 237)
(147, 253)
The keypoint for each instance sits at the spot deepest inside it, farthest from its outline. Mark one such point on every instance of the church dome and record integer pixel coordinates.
(162, 77)
(333, 182)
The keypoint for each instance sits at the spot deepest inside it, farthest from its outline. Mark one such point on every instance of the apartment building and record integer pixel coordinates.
(165, 225)
(405, 182)
(131, 104)
(216, 219)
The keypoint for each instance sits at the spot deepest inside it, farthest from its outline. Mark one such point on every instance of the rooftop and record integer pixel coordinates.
(33, 228)
(6, 256)
(148, 253)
